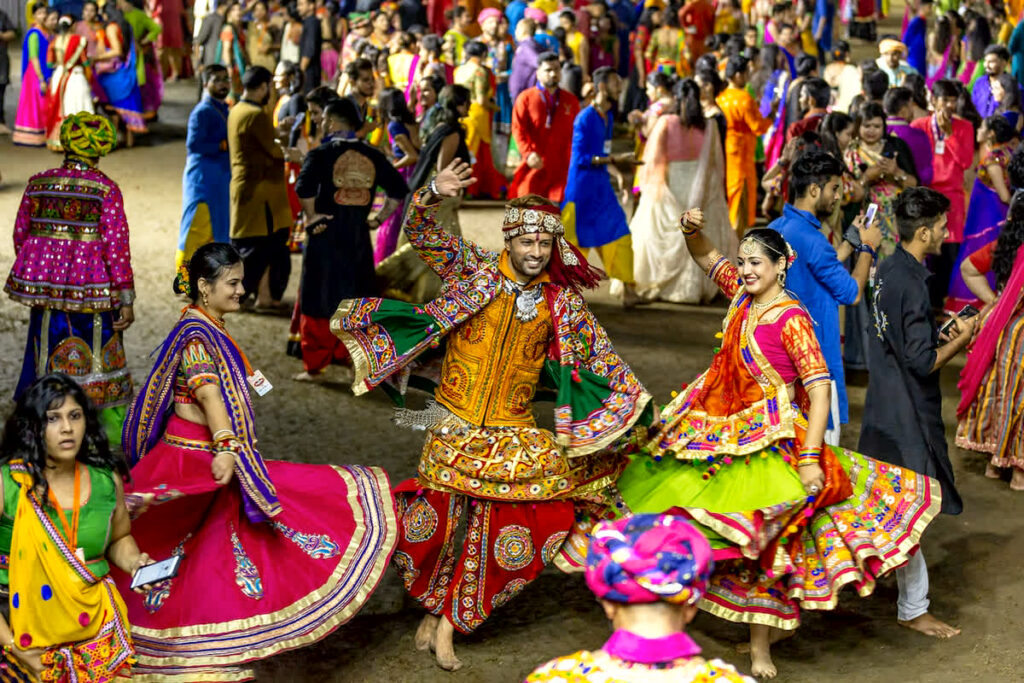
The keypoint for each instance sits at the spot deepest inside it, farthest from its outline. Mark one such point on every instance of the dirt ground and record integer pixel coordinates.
(974, 558)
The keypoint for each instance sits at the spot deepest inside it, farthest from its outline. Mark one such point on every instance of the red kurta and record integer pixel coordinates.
(549, 136)
(950, 166)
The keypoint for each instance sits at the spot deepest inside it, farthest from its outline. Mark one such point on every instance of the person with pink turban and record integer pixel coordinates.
(648, 572)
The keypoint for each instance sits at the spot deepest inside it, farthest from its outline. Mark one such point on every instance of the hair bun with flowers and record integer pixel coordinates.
(790, 255)
(182, 281)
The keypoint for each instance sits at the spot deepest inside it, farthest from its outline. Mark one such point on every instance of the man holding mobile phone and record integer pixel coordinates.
(817, 277)
(903, 408)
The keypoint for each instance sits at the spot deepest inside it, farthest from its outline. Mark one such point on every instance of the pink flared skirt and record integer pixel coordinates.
(33, 112)
(248, 590)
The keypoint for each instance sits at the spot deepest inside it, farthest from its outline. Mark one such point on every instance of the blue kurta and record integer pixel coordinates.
(599, 217)
(914, 39)
(207, 177)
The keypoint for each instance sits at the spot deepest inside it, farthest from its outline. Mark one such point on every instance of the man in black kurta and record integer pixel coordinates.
(903, 408)
(336, 186)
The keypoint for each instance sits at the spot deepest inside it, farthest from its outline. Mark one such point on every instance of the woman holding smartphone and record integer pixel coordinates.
(287, 551)
(883, 165)
(63, 523)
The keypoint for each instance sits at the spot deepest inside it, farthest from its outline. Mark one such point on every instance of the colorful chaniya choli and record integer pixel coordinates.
(291, 551)
(62, 599)
(726, 453)
(563, 348)
(72, 267)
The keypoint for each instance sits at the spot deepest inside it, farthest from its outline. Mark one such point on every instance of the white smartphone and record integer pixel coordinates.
(869, 215)
(156, 572)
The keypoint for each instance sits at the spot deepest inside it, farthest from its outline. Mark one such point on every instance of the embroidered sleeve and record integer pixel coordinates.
(114, 228)
(445, 253)
(198, 366)
(804, 350)
(724, 274)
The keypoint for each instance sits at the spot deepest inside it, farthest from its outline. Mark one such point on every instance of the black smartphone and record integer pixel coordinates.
(156, 572)
(967, 311)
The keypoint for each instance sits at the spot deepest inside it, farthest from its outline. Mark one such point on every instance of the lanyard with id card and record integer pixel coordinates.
(259, 383)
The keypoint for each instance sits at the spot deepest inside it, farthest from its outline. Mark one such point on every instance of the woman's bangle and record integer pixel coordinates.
(433, 188)
(809, 456)
(222, 434)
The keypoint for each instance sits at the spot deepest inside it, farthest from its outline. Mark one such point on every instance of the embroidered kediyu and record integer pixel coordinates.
(483, 447)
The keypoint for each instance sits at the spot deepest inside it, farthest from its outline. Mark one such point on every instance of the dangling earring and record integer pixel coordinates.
(781, 278)
(206, 300)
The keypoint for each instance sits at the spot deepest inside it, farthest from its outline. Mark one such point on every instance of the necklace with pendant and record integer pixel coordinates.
(527, 301)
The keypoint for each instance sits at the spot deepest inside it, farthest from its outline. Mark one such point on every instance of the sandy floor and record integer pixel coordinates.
(973, 557)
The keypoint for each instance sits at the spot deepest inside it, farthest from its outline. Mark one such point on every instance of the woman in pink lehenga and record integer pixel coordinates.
(33, 101)
(276, 555)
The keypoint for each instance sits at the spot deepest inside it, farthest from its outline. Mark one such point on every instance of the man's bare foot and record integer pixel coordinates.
(777, 636)
(761, 664)
(426, 634)
(444, 649)
(930, 626)
(992, 472)
(1017, 481)
(314, 377)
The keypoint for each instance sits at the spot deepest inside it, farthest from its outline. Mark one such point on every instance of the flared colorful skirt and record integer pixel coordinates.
(246, 591)
(774, 552)
(993, 423)
(85, 347)
(33, 112)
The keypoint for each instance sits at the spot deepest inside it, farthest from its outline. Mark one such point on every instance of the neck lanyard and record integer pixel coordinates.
(551, 102)
(936, 131)
(70, 530)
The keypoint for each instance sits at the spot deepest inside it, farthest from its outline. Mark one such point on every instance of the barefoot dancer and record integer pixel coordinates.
(740, 454)
(509, 319)
(903, 407)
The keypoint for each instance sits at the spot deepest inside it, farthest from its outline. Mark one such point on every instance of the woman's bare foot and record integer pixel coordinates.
(444, 649)
(426, 634)
(992, 472)
(761, 664)
(930, 626)
(777, 635)
(1017, 481)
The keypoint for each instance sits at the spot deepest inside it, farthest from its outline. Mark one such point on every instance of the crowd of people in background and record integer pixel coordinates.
(659, 137)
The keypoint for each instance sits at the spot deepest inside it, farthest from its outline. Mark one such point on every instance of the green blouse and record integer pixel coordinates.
(94, 519)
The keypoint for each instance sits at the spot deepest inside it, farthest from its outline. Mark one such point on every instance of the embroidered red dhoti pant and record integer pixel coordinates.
(320, 347)
(506, 546)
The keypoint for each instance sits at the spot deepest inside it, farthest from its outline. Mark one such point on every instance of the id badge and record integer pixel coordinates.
(260, 384)
(607, 147)
(940, 146)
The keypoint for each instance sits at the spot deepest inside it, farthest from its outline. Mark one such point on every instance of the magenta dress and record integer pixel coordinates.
(274, 560)
(33, 112)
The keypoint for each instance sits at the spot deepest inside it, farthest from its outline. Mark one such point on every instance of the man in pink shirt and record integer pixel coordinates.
(952, 144)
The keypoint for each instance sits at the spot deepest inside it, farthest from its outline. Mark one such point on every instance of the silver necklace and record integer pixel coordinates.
(527, 300)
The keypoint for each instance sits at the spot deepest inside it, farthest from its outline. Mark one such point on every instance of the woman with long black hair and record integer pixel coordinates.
(63, 523)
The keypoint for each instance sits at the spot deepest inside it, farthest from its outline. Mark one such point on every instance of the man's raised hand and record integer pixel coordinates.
(454, 178)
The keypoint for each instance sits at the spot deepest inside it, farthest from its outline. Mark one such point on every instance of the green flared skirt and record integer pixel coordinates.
(772, 556)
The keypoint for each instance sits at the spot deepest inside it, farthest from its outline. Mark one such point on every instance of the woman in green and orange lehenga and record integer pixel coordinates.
(739, 453)
(63, 523)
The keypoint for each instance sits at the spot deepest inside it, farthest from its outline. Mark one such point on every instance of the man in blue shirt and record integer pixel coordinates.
(817, 277)
(205, 203)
